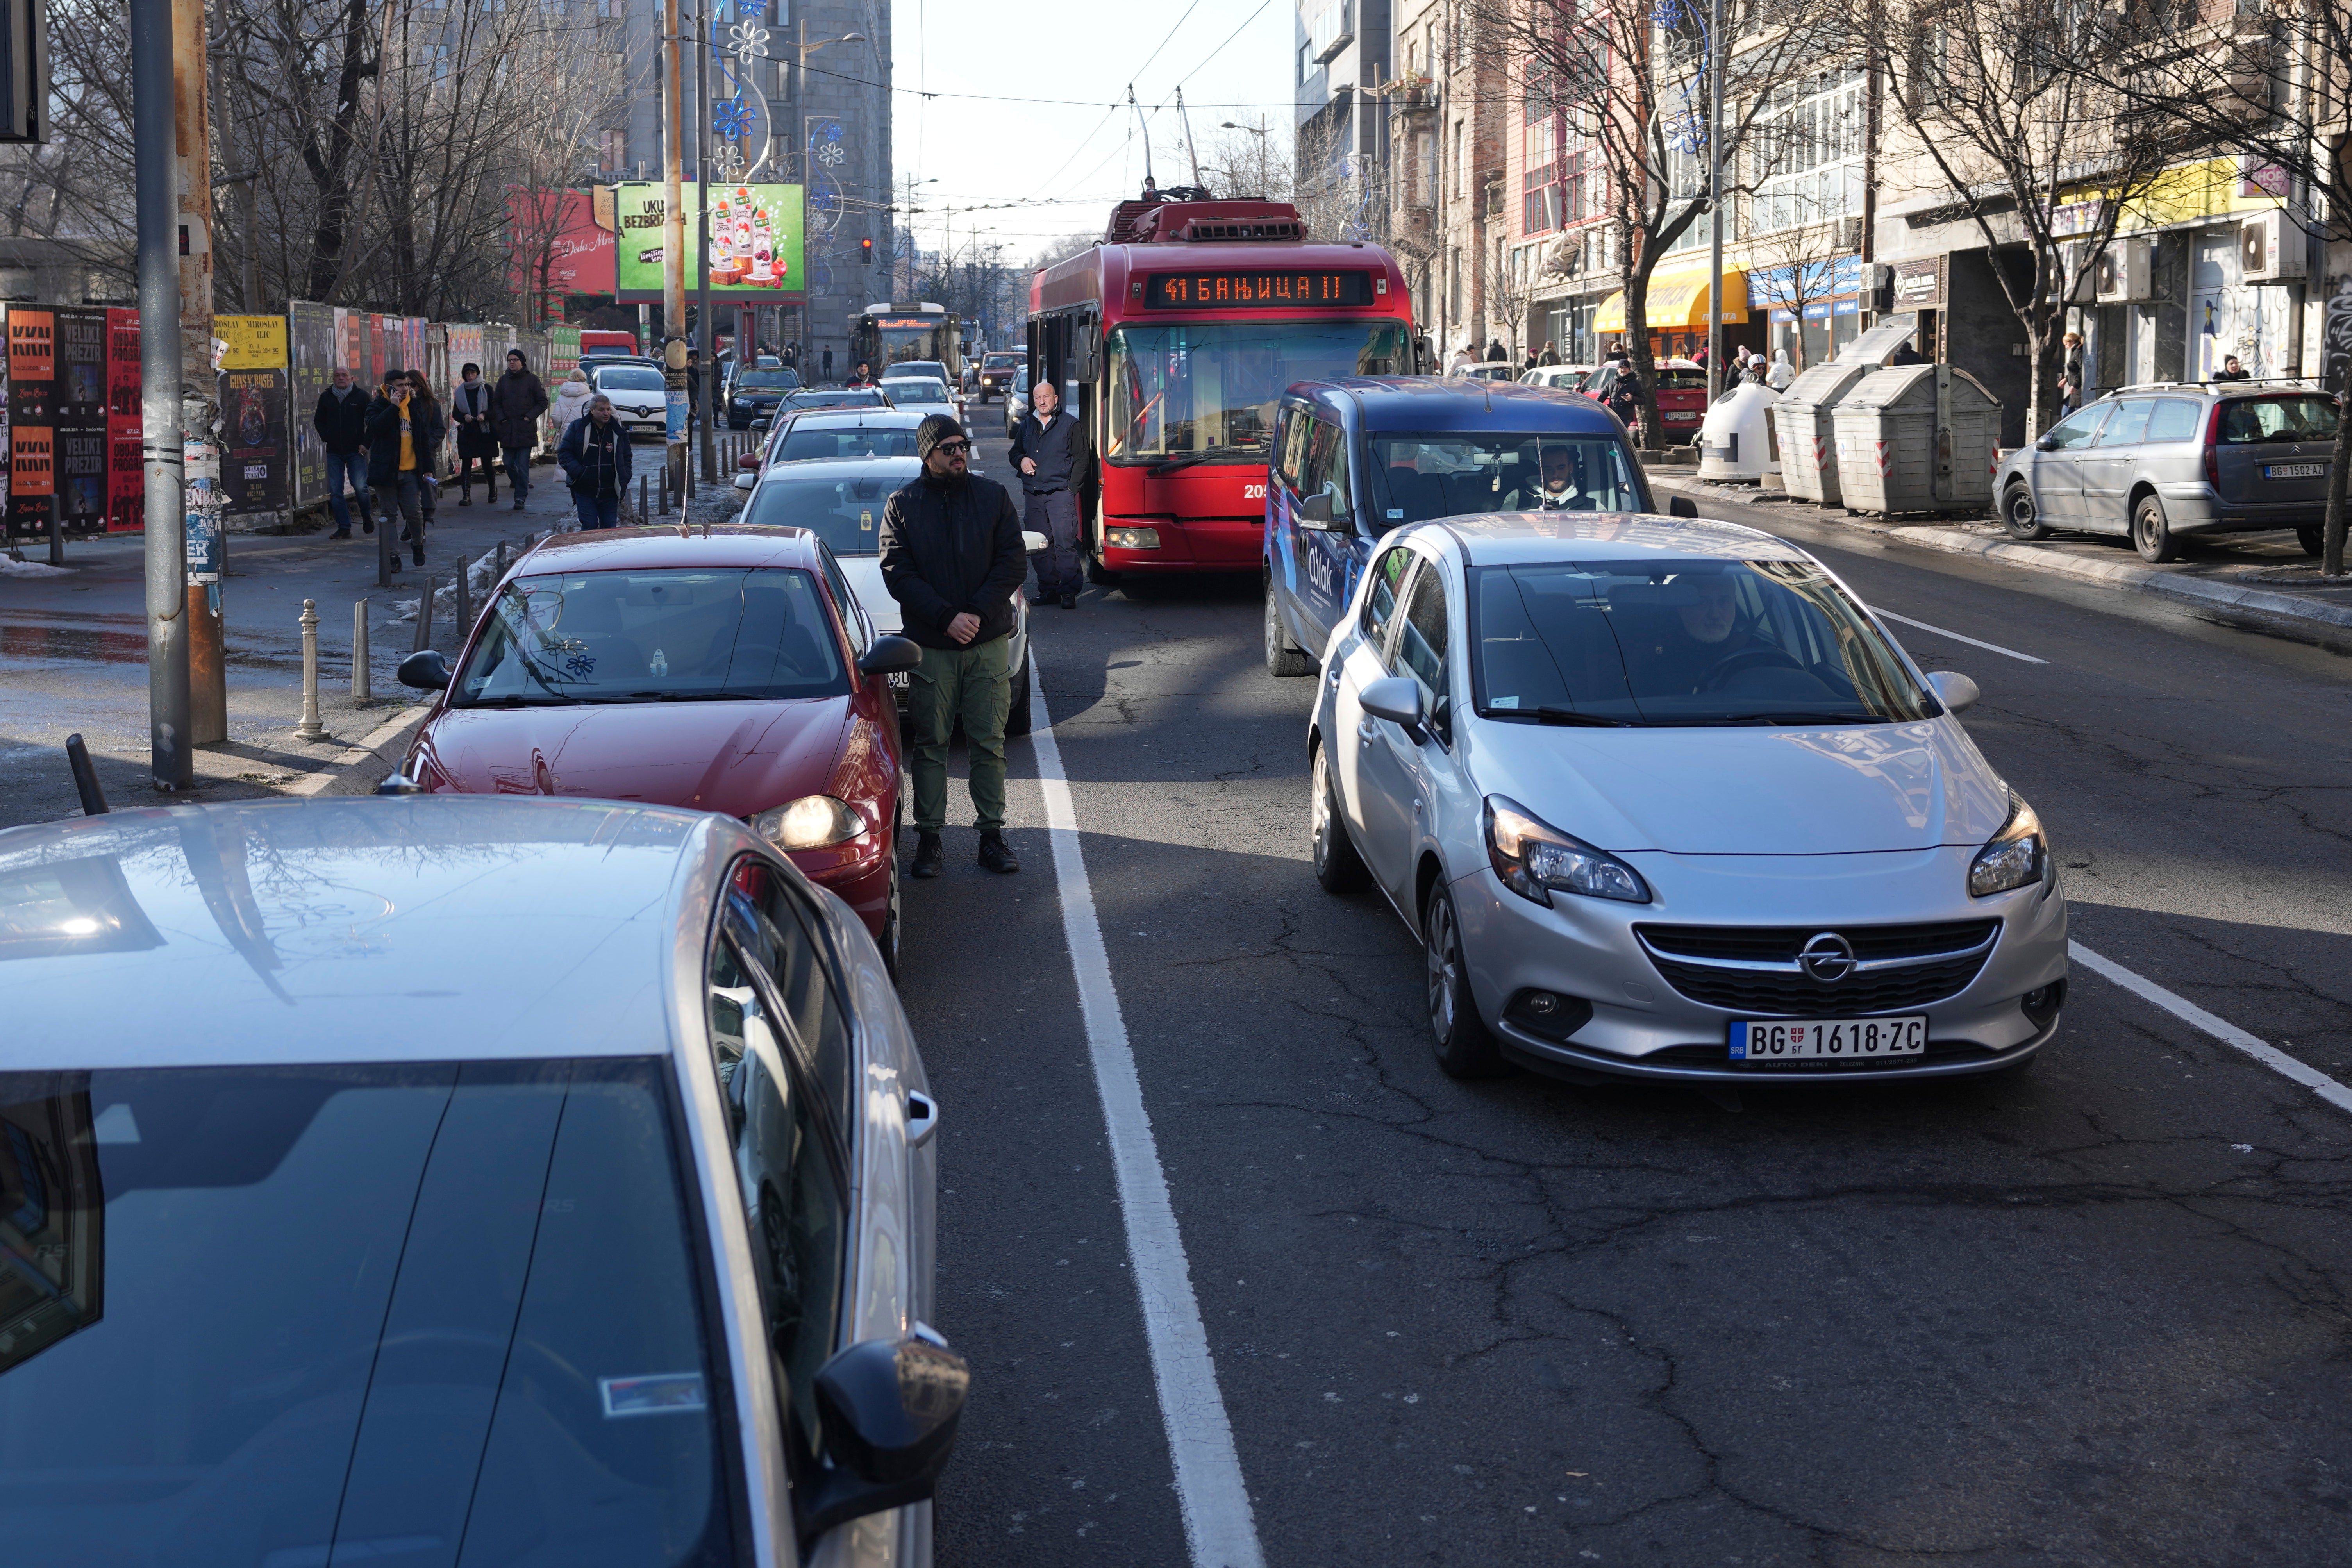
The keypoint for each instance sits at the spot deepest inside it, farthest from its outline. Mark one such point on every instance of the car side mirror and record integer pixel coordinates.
(2047, 444)
(1315, 511)
(1031, 539)
(762, 423)
(1396, 698)
(746, 482)
(891, 654)
(1681, 506)
(426, 670)
(889, 1410)
(1956, 691)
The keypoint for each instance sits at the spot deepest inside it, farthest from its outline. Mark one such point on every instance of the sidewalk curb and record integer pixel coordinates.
(2202, 592)
(358, 769)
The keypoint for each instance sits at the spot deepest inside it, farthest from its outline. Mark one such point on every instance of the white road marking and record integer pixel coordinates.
(1218, 1525)
(2229, 1033)
(1988, 646)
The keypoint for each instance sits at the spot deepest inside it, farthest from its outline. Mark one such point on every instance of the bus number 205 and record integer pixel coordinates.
(1253, 492)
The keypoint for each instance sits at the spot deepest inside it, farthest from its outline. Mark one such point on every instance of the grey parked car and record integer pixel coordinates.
(1662, 801)
(553, 1177)
(1016, 402)
(2163, 462)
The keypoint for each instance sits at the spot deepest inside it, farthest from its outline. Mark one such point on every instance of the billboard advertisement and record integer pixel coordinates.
(755, 252)
(256, 461)
(32, 390)
(79, 419)
(555, 247)
(126, 474)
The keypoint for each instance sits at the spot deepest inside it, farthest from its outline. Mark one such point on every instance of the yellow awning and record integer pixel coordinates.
(1677, 303)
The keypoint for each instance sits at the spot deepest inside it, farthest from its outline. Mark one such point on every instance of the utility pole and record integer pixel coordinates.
(674, 245)
(1714, 194)
(707, 340)
(171, 760)
(200, 390)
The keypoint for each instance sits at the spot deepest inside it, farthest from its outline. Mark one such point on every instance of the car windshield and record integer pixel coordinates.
(1416, 478)
(653, 637)
(2308, 417)
(297, 1315)
(1206, 390)
(629, 378)
(858, 398)
(1002, 361)
(916, 391)
(842, 509)
(801, 443)
(767, 380)
(910, 368)
(1683, 642)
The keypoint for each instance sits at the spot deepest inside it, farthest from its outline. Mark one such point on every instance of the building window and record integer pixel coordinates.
(1453, 284)
(1461, 170)
(1424, 169)
(1807, 153)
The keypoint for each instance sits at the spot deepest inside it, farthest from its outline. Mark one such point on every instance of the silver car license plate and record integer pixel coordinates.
(1827, 1039)
(2293, 470)
(901, 681)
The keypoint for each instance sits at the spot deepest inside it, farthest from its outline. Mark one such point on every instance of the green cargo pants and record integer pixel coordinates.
(974, 684)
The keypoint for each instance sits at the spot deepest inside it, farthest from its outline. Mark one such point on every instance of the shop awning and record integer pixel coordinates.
(1677, 302)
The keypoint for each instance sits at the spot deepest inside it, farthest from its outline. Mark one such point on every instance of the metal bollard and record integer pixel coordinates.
(644, 517)
(85, 777)
(309, 729)
(502, 557)
(464, 606)
(425, 619)
(363, 685)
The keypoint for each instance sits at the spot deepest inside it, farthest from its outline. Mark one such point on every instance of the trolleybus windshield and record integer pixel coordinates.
(1205, 391)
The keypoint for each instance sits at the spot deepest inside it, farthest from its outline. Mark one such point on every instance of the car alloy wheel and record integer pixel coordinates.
(1464, 1047)
(2151, 535)
(2018, 514)
(1337, 865)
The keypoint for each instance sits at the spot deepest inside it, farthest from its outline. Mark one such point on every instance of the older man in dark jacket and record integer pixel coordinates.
(952, 557)
(340, 420)
(1049, 453)
(516, 403)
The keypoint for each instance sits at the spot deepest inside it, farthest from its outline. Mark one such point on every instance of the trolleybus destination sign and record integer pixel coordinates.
(1254, 289)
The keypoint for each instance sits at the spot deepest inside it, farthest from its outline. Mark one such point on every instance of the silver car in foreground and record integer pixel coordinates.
(1662, 800)
(455, 1178)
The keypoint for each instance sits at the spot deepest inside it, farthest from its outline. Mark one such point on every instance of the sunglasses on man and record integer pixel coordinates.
(954, 448)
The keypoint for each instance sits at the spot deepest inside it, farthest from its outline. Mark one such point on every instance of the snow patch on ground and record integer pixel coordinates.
(9, 568)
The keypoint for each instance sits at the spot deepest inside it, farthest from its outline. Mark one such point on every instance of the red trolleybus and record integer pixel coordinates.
(1174, 339)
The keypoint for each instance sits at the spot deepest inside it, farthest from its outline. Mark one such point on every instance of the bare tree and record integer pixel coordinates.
(1509, 292)
(1798, 268)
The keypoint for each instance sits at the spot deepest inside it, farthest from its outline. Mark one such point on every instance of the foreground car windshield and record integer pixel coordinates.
(1416, 478)
(311, 1315)
(646, 637)
(801, 443)
(1695, 642)
(846, 514)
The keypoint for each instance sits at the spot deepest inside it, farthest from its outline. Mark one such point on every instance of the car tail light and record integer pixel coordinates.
(2213, 447)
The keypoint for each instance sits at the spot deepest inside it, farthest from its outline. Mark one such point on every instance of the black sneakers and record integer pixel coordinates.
(995, 853)
(930, 856)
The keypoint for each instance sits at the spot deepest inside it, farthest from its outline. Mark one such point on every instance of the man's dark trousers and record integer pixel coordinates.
(1055, 514)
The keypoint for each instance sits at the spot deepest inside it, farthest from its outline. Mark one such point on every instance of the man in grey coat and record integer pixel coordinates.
(1049, 453)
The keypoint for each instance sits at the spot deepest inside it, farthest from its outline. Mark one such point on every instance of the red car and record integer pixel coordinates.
(727, 669)
(1681, 397)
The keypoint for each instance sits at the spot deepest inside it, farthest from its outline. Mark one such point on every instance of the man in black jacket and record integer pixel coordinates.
(952, 557)
(1049, 453)
(516, 403)
(340, 420)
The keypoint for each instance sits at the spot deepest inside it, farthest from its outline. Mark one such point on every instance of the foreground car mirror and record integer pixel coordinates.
(890, 654)
(1031, 539)
(1956, 691)
(2047, 444)
(762, 423)
(1681, 506)
(428, 670)
(1396, 698)
(888, 1409)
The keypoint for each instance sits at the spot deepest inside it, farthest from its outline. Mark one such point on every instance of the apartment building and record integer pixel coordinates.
(1449, 219)
(1341, 58)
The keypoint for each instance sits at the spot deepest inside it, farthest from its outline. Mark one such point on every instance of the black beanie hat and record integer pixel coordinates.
(934, 429)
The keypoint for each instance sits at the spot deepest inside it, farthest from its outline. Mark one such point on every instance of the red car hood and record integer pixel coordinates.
(736, 757)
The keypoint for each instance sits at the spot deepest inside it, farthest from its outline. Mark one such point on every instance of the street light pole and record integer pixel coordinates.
(674, 249)
(704, 338)
(172, 761)
(1714, 194)
(199, 388)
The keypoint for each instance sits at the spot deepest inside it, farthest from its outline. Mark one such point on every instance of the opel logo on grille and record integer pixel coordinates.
(1827, 958)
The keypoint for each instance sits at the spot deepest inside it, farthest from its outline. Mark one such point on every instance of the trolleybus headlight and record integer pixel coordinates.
(1135, 538)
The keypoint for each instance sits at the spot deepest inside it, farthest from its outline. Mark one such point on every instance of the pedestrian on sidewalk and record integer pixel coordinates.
(402, 445)
(828, 367)
(1049, 452)
(570, 399)
(340, 420)
(516, 403)
(595, 457)
(2231, 370)
(469, 413)
(2070, 374)
(952, 557)
(1782, 371)
(424, 404)
(1551, 354)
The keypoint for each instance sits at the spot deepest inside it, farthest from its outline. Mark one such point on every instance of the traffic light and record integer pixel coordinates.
(866, 251)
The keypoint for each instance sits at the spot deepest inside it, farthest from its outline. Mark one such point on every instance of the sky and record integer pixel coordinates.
(1028, 172)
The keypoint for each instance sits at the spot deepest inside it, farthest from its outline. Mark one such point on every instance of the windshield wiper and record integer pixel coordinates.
(1186, 459)
(1550, 715)
(685, 697)
(1840, 719)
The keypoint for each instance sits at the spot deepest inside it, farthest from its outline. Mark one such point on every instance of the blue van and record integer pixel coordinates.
(1357, 455)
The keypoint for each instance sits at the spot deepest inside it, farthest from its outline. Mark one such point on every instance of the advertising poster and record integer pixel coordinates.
(755, 252)
(350, 342)
(32, 387)
(256, 457)
(78, 420)
(4, 424)
(376, 360)
(310, 344)
(126, 475)
(555, 245)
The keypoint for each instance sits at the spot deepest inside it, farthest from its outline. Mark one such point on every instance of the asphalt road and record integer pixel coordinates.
(2093, 1315)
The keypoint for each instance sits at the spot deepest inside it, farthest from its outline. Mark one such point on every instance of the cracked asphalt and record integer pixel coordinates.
(2095, 1314)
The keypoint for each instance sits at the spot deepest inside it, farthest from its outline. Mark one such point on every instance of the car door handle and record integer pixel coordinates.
(922, 1118)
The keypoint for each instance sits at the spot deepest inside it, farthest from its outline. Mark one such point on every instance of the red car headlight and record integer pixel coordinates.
(812, 822)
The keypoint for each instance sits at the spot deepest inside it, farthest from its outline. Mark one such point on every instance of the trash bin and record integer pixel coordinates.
(1917, 437)
(1735, 440)
(1808, 468)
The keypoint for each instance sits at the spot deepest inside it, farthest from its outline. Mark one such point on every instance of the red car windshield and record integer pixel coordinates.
(682, 635)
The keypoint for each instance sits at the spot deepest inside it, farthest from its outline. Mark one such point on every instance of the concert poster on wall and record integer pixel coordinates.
(126, 474)
(255, 459)
(32, 458)
(79, 418)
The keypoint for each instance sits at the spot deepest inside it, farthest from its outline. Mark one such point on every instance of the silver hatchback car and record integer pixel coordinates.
(2163, 462)
(1662, 800)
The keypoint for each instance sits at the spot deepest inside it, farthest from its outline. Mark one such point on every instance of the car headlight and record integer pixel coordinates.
(1536, 859)
(812, 822)
(2017, 856)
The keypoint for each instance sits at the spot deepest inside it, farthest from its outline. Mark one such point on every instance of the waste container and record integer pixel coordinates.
(1809, 469)
(1735, 440)
(1917, 437)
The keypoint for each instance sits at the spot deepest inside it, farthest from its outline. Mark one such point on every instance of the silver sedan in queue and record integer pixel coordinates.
(1662, 800)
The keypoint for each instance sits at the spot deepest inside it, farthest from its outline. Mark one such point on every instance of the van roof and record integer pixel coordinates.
(1444, 404)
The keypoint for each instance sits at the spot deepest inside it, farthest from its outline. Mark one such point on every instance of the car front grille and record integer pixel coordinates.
(1753, 970)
